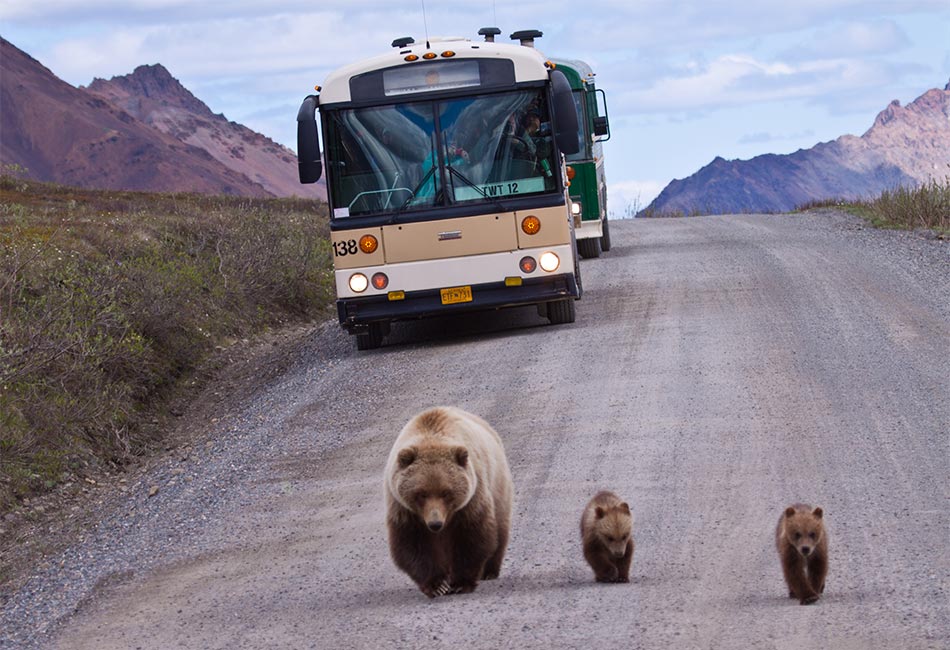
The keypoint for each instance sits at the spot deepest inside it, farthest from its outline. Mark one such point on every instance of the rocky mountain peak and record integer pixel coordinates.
(152, 82)
(905, 145)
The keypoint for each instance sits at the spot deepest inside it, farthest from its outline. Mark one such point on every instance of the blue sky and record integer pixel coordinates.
(686, 81)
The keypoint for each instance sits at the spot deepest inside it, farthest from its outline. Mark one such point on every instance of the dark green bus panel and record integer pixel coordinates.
(588, 189)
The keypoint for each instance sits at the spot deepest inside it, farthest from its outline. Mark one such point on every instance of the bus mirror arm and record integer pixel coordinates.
(566, 128)
(308, 144)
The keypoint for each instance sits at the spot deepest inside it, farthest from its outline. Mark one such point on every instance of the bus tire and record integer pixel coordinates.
(371, 339)
(561, 312)
(605, 239)
(589, 247)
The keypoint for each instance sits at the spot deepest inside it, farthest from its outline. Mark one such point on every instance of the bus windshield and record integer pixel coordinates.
(429, 154)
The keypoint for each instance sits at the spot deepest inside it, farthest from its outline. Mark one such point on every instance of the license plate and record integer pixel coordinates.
(455, 295)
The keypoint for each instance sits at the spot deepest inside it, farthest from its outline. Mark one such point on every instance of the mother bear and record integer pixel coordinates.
(448, 501)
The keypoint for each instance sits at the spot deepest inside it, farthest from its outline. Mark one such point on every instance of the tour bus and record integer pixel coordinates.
(586, 167)
(446, 181)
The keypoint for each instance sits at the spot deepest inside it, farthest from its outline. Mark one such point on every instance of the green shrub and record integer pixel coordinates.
(109, 299)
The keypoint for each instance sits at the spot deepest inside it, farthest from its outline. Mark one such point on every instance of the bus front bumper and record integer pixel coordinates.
(357, 313)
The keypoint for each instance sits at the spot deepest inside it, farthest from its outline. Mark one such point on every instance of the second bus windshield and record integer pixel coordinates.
(424, 155)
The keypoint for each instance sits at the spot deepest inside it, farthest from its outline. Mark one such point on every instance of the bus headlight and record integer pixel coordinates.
(549, 261)
(358, 283)
(575, 208)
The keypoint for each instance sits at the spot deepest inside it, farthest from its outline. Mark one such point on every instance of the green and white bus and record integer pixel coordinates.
(444, 195)
(586, 167)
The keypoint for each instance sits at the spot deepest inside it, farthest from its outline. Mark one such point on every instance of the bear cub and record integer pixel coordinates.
(449, 495)
(802, 545)
(607, 537)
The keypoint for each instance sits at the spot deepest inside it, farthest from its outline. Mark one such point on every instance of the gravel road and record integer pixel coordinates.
(720, 368)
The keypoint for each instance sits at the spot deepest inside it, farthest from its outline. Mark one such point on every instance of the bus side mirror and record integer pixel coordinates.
(308, 145)
(565, 114)
(601, 125)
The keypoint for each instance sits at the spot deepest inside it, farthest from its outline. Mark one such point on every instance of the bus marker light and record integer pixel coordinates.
(570, 173)
(380, 281)
(397, 295)
(411, 57)
(429, 55)
(549, 261)
(368, 244)
(527, 264)
(513, 281)
(358, 283)
(448, 53)
(531, 225)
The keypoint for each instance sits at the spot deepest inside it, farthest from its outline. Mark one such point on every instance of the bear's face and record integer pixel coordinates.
(613, 527)
(804, 530)
(434, 483)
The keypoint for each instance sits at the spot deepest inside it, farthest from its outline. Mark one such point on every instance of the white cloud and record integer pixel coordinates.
(626, 198)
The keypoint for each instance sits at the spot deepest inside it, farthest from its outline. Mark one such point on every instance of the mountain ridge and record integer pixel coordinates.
(142, 131)
(905, 145)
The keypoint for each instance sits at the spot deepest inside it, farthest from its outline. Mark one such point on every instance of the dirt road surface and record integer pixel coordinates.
(720, 368)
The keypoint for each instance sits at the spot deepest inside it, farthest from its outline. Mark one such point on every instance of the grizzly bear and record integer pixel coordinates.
(606, 534)
(448, 501)
(802, 545)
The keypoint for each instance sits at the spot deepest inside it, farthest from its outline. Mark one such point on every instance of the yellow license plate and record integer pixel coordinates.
(455, 295)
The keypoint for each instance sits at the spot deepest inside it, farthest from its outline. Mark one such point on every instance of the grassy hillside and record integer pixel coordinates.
(108, 299)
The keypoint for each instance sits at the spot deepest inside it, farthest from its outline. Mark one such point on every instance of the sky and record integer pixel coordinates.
(686, 80)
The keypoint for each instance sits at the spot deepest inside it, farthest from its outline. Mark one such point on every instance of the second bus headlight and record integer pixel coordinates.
(549, 261)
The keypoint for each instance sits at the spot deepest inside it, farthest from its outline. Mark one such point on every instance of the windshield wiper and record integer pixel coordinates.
(412, 194)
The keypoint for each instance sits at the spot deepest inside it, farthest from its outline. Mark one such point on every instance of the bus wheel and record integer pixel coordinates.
(561, 311)
(589, 247)
(371, 339)
(605, 240)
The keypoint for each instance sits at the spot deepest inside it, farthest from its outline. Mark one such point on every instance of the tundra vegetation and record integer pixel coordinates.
(110, 300)
(924, 206)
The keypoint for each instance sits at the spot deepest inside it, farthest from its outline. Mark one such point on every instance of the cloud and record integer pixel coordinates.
(851, 40)
(762, 137)
(626, 198)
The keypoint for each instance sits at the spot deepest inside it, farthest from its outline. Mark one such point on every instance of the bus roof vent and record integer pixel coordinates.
(526, 36)
(404, 41)
(489, 33)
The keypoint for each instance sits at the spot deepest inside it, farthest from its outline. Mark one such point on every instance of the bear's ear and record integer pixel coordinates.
(818, 512)
(624, 507)
(461, 456)
(789, 511)
(406, 457)
(599, 512)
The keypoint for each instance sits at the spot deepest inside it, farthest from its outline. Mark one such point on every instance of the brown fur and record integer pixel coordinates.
(448, 501)
(802, 544)
(607, 537)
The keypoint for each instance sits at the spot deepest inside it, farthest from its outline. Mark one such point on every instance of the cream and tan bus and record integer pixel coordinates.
(446, 181)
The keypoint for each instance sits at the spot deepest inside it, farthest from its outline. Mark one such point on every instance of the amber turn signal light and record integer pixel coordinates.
(531, 225)
(368, 244)
(570, 173)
